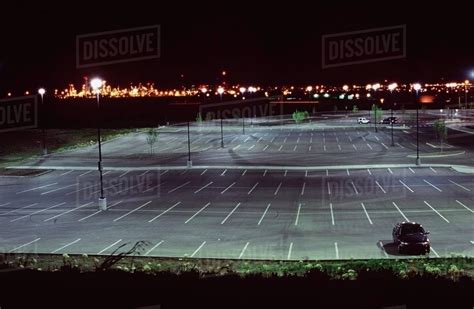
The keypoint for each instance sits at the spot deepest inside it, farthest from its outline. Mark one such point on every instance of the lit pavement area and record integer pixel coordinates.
(280, 191)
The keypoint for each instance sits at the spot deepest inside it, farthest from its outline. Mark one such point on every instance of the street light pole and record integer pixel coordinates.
(41, 92)
(96, 84)
(222, 134)
(190, 163)
(392, 87)
(417, 88)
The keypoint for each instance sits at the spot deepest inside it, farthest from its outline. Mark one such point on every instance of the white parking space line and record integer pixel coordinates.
(400, 211)
(236, 147)
(243, 250)
(251, 147)
(253, 188)
(383, 249)
(108, 247)
(164, 212)
(197, 250)
(24, 245)
(179, 187)
(434, 171)
(298, 214)
(54, 190)
(265, 148)
(411, 170)
(460, 186)
(277, 189)
(279, 149)
(83, 174)
(264, 213)
(13, 210)
(347, 171)
(154, 247)
(332, 214)
(99, 211)
(36, 188)
(324, 147)
(198, 212)
(230, 186)
(339, 146)
(368, 145)
(66, 173)
(336, 248)
(243, 173)
(327, 172)
(286, 172)
(442, 217)
(354, 146)
(203, 187)
(472, 242)
(434, 251)
(164, 172)
(376, 137)
(123, 174)
(390, 171)
(203, 172)
(37, 212)
(248, 137)
(132, 211)
(309, 149)
(398, 144)
(381, 188)
(464, 206)
(66, 212)
(353, 186)
(368, 171)
(1, 205)
(65, 246)
(329, 189)
(230, 213)
(180, 174)
(289, 251)
(223, 173)
(306, 173)
(404, 184)
(106, 173)
(366, 213)
(302, 189)
(429, 183)
(384, 146)
(264, 173)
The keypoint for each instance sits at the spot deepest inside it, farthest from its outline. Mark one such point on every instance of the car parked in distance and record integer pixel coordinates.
(363, 120)
(410, 237)
(389, 120)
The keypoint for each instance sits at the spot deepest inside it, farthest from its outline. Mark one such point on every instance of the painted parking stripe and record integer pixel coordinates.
(336, 248)
(37, 212)
(253, 188)
(384, 146)
(383, 249)
(279, 149)
(329, 189)
(376, 137)
(434, 251)
(230, 186)
(243, 173)
(464, 206)
(398, 144)
(265, 148)
(236, 147)
(368, 145)
(164, 212)
(203, 172)
(36, 188)
(179, 187)
(230, 213)
(204, 187)
(243, 250)
(251, 147)
(65, 246)
(332, 214)
(66, 173)
(433, 170)
(99, 211)
(347, 171)
(123, 174)
(429, 183)
(108, 247)
(154, 247)
(277, 189)
(368, 171)
(13, 210)
(302, 189)
(66, 212)
(83, 174)
(54, 190)
(381, 188)
(411, 170)
(264, 173)
(106, 173)
(24, 245)
(289, 251)
(353, 186)
(164, 172)
(432, 208)
(400, 211)
(198, 212)
(197, 250)
(460, 186)
(405, 185)
(264, 213)
(298, 214)
(366, 213)
(132, 211)
(390, 171)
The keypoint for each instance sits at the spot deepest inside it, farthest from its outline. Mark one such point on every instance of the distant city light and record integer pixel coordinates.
(326, 95)
(96, 83)
(368, 87)
(220, 90)
(252, 89)
(345, 87)
(27, 92)
(417, 87)
(309, 88)
(41, 91)
(369, 95)
(392, 86)
(203, 89)
(316, 95)
(242, 90)
(376, 86)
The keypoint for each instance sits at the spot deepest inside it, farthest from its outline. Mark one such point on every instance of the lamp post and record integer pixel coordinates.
(417, 88)
(392, 87)
(242, 91)
(41, 92)
(189, 163)
(96, 84)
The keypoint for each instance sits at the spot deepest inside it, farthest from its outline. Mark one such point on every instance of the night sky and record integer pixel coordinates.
(255, 43)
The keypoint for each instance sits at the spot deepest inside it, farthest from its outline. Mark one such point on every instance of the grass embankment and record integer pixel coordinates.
(22, 145)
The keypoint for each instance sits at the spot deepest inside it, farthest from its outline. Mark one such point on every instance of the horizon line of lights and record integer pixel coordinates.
(149, 90)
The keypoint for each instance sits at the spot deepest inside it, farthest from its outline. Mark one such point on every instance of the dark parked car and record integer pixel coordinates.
(389, 120)
(411, 237)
